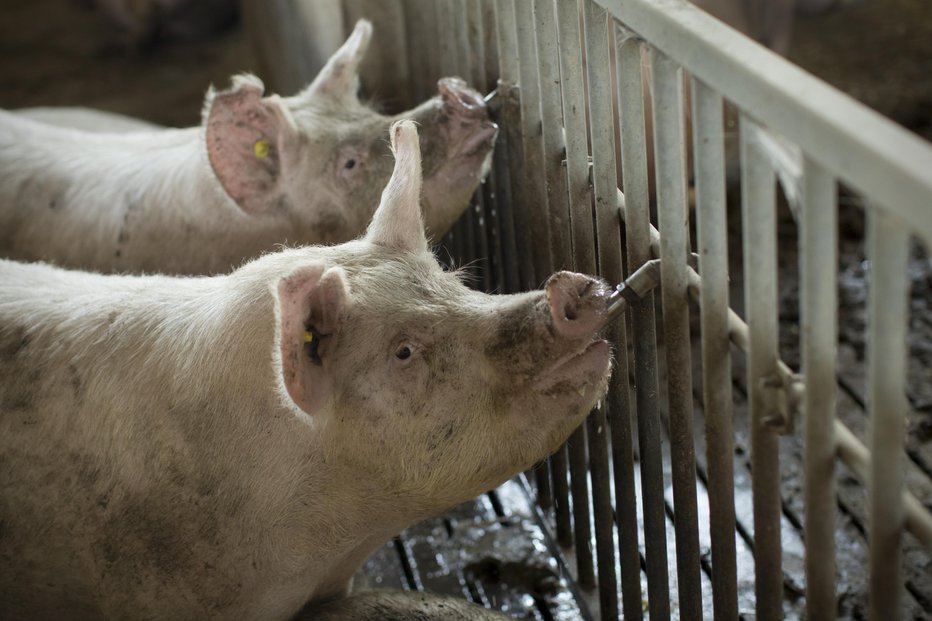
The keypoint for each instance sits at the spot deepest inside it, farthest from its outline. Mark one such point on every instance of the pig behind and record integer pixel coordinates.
(260, 171)
(236, 446)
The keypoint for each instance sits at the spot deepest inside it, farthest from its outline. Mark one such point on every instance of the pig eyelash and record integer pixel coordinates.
(311, 344)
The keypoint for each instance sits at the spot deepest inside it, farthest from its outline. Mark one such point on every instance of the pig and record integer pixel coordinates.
(236, 446)
(259, 171)
(87, 119)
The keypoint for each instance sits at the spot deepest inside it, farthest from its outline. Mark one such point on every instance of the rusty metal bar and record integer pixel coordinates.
(602, 138)
(535, 179)
(509, 161)
(449, 54)
(559, 214)
(712, 237)
(888, 252)
(758, 190)
(818, 308)
(576, 446)
(670, 153)
(579, 192)
(551, 113)
(420, 25)
(621, 413)
(638, 227)
(485, 228)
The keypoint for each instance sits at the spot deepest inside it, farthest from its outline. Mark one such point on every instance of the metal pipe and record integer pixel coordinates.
(670, 154)
(638, 228)
(535, 180)
(882, 160)
(602, 139)
(509, 161)
(557, 199)
(888, 252)
(818, 308)
(712, 238)
(849, 448)
(758, 198)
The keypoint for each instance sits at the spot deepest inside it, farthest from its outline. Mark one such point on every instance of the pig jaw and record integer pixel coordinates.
(457, 140)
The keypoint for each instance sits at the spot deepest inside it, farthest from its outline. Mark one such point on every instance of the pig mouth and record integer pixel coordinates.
(481, 141)
(582, 372)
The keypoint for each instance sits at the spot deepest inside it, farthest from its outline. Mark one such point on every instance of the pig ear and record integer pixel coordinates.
(339, 78)
(311, 306)
(246, 135)
(397, 222)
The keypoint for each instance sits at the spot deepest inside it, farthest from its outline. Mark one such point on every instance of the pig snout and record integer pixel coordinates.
(467, 108)
(577, 304)
(462, 100)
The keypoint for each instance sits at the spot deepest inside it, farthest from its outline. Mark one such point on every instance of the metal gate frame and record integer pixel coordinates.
(570, 87)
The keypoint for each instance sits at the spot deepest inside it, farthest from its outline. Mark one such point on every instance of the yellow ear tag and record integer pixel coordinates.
(308, 337)
(261, 148)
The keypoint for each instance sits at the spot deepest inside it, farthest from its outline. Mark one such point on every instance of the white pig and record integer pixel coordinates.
(260, 171)
(236, 446)
(87, 119)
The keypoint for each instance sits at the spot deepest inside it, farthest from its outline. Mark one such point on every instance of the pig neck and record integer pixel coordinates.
(112, 202)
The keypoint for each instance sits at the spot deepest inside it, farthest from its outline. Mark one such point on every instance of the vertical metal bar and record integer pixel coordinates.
(449, 54)
(486, 77)
(487, 8)
(712, 234)
(818, 307)
(560, 244)
(637, 226)
(605, 194)
(551, 114)
(670, 153)
(579, 195)
(420, 25)
(467, 225)
(579, 192)
(888, 252)
(760, 288)
(482, 222)
(509, 161)
(535, 181)
(620, 412)
(453, 241)
(576, 446)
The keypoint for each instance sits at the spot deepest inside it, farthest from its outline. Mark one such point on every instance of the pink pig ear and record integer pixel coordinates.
(246, 136)
(339, 78)
(312, 303)
(398, 222)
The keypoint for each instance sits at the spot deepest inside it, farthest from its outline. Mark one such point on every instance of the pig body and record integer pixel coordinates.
(87, 119)
(236, 446)
(260, 171)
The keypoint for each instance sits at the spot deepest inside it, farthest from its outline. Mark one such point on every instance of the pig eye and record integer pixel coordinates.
(350, 163)
(403, 353)
(311, 345)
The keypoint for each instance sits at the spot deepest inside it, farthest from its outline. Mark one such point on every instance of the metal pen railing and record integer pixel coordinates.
(575, 78)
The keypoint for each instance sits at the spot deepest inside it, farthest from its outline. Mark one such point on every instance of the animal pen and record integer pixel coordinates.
(745, 463)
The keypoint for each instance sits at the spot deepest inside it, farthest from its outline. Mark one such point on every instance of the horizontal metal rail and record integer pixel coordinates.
(852, 452)
(880, 159)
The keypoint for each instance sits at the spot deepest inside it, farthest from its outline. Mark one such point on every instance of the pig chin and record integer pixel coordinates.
(577, 380)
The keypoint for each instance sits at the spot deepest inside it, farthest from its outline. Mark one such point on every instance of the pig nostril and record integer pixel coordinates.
(570, 313)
